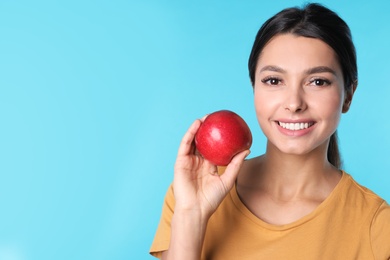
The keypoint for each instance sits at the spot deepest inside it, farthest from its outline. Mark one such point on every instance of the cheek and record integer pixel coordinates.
(267, 103)
(334, 102)
(260, 105)
(265, 107)
(329, 107)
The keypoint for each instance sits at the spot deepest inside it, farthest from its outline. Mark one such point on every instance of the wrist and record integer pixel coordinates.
(193, 214)
(188, 228)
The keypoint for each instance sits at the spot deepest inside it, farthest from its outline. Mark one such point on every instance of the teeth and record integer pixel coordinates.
(295, 126)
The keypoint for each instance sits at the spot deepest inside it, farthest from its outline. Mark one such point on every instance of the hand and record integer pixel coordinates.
(197, 185)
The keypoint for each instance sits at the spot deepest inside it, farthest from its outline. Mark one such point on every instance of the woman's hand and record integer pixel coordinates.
(197, 184)
(198, 191)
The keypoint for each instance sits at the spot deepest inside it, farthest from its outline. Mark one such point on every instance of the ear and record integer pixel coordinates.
(348, 97)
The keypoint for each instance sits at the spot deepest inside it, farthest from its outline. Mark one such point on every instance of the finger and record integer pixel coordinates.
(232, 170)
(186, 145)
(203, 118)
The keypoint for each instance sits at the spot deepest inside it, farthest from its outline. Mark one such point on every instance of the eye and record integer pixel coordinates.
(320, 82)
(271, 81)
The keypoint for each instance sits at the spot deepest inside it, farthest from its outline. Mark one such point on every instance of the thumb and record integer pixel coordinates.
(231, 172)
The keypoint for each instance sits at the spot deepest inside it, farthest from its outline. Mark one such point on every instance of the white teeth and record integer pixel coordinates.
(295, 126)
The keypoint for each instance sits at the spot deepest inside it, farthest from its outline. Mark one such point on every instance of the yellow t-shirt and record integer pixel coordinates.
(352, 223)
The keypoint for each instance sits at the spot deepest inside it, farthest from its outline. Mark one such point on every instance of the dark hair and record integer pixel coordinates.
(313, 21)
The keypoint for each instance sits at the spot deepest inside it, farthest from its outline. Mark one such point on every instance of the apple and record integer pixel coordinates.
(221, 136)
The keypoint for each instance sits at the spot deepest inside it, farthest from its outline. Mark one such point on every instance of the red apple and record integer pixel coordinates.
(222, 135)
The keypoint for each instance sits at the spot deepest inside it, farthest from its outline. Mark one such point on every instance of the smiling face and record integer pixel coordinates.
(299, 93)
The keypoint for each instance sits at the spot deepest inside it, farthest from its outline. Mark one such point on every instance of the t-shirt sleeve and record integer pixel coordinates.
(163, 234)
(380, 233)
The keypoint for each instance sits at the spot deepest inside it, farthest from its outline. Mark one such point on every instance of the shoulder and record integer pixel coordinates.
(162, 237)
(380, 232)
(169, 200)
(377, 212)
(359, 194)
(371, 210)
(382, 216)
(356, 202)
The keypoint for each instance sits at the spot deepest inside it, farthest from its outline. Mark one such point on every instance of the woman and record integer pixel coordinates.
(293, 202)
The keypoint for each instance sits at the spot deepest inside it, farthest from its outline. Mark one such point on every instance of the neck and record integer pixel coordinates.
(290, 176)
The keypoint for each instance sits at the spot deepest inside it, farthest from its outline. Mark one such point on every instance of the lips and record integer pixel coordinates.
(295, 125)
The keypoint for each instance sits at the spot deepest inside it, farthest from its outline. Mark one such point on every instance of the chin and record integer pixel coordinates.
(294, 151)
(298, 149)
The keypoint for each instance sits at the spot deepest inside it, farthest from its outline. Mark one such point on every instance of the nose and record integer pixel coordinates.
(295, 100)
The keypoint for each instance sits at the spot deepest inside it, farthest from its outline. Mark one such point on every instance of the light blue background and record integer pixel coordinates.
(96, 95)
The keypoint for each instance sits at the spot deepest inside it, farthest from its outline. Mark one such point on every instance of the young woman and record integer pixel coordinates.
(293, 202)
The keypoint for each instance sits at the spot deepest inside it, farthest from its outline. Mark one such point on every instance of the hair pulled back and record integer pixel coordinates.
(313, 21)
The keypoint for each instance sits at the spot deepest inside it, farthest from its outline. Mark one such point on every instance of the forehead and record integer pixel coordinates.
(295, 53)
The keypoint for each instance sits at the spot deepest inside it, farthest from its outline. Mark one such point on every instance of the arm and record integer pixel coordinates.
(198, 191)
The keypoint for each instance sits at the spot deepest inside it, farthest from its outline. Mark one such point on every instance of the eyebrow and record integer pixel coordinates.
(319, 69)
(272, 68)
